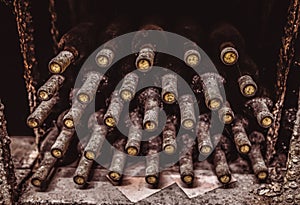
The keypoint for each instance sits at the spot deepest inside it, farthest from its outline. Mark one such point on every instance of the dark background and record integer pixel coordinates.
(261, 23)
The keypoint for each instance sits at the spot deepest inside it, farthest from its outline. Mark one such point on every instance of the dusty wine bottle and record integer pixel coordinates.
(169, 92)
(105, 57)
(169, 143)
(212, 94)
(128, 87)
(191, 30)
(41, 175)
(248, 73)
(49, 139)
(150, 98)
(53, 84)
(240, 136)
(227, 43)
(118, 160)
(145, 43)
(74, 45)
(61, 144)
(82, 171)
(205, 145)
(260, 107)
(226, 114)
(41, 112)
(133, 144)
(59, 120)
(93, 148)
(89, 88)
(73, 116)
(186, 166)
(152, 160)
(220, 162)
(258, 164)
(114, 110)
(187, 111)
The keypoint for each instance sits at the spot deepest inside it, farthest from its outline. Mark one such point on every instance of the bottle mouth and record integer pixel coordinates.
(110, 121)
(36, 182)
(55, 68)
(188, 124)
(247, 85)
(115, 176)
(90, 155)
(69, 123)
(205, 150)
(126, 95)
(79, 180)
(225, 179)
(245, 149)
(32, 123)
(56, 153)
(192, 58)
(132, 151)
(43, 95)
(214, 104)
(150, 126)
(266, 121)
(227, 118)
(187, 178)
(104, 58)
(169, 97)
(143, 65)
(263, 175)
(60, 62)
(169, 149)
(229, 56)
(152, 179)
(83, 98)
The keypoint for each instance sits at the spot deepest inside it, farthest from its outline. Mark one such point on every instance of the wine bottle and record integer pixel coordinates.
(169, 92)
(105, 57)
(129, 86)
(118, 160)
(257, 161)
(114, 110)
(226, 114)
(61, 144)
(145, 42)
(219, 159)
(150, 99)
(133, 144)
(226, 43)
(50, 88)
(240, 135)
(82, 171)
(211, 83)
(205, 145)
(187, 112)
(41, 176)
(41, 112)
(248, 74)
(186, 166)
(73, 116)
(98, 134)
(76, 44)
(89, 88)
(169, 144)
(260, 107)
(152, 160)
(190, 29)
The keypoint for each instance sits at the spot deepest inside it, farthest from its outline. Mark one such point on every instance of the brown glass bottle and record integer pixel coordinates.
(75, 44)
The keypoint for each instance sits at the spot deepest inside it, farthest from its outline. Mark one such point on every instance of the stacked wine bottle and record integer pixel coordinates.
(162, 119)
